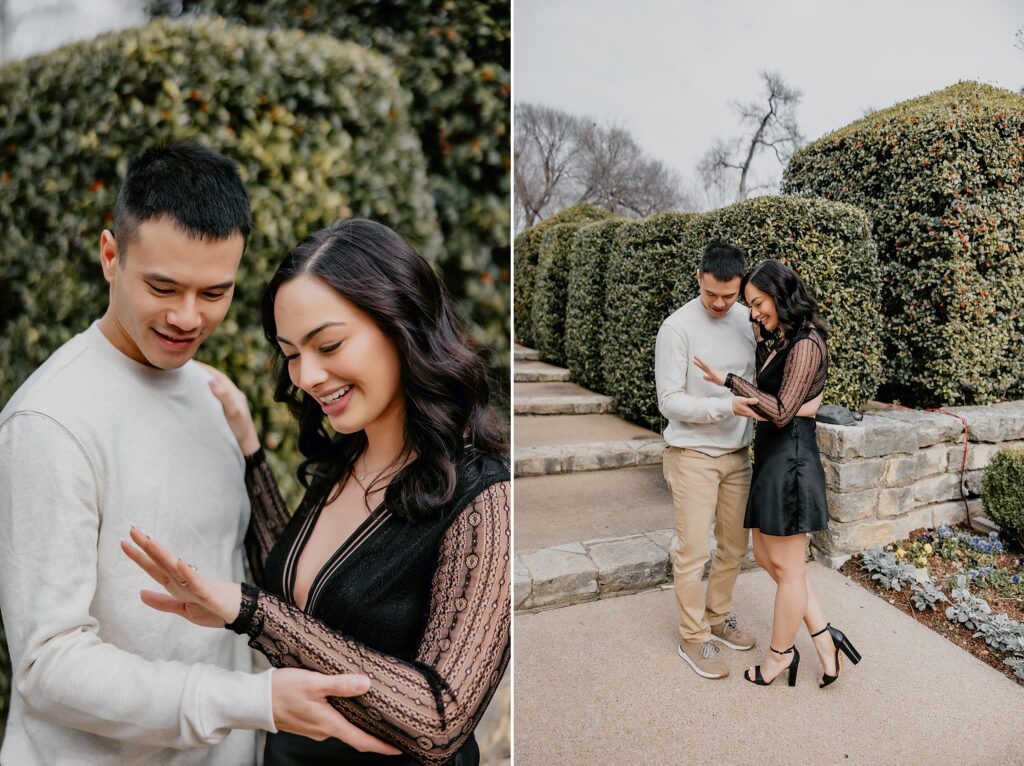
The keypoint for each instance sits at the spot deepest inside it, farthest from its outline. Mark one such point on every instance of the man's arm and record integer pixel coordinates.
(63, 670)
(671, 362)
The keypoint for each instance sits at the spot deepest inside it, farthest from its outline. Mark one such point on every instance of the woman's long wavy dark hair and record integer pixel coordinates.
(794, 303)
(447, 394)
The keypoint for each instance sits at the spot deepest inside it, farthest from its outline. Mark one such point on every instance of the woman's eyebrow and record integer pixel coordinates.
(306, 338)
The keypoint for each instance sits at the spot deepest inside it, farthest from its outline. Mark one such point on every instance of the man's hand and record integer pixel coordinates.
(301, 707)
(741, 407)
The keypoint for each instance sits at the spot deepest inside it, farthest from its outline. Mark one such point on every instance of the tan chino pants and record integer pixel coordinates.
(703, 489)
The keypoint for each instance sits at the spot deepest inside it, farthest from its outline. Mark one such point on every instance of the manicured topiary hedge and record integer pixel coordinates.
(1003, 491)
(643, 266)
(318, 127)
(829, 245)
(586, 303)
(455, 60)
(942, 178)
(551, 291)
(526, 253)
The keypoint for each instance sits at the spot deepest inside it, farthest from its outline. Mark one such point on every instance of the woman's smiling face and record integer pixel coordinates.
(762, 307)
(338, 355)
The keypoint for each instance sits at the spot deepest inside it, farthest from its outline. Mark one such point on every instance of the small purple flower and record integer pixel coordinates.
(926, 538)
(1015, 579)
(993, 536)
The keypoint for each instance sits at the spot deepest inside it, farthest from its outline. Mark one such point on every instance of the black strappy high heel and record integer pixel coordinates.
(759, 679)
(839, 642)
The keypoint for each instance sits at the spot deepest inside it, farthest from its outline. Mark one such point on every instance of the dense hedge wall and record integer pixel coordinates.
(586, 304)
(455, 59)
(642, 269)
(526, 253)
(551, 291)
(318, 127)
(829, 245)
(942, 178)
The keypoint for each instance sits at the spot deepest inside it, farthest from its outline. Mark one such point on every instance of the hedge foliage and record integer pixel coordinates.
(526, 254)
(455, 59)
(1003, 491)
(552, 291)
(829, 245)
(318, 128)
(942, 177)
(642, 269)
(586, 307)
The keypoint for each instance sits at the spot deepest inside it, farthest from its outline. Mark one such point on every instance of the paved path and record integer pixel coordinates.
(600, 683)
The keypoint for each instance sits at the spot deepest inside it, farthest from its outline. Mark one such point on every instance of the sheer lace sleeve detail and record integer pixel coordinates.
(269, 512)
(803, 378)
(430, 706)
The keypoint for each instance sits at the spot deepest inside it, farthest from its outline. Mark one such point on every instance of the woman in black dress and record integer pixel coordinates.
(396, 565)
(787, 488)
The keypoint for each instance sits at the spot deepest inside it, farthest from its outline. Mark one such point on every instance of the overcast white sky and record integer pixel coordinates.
(668, 70)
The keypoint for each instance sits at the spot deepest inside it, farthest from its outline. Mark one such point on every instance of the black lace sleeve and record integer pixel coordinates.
(269, 512)
(803, 374)
(426, 708)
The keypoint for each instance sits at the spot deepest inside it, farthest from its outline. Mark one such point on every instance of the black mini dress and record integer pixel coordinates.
(787, 487)
(422, 608)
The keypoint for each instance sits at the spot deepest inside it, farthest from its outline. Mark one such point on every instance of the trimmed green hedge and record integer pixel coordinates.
(551, 291)
(586, 306)
(455, 60)
(526, 253)
(643, 266)
(318, 127)
(942, 178)
(1003, 492)
(829, 245)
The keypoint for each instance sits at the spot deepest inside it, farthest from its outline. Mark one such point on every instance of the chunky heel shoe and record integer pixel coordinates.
(840, 643)
(793, 665)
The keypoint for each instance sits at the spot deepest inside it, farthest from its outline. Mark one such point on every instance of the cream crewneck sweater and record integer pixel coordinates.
(699, 413)
(91, 443)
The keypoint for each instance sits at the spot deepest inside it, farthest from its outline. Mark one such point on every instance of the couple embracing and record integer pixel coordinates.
(719, 366)
(382, 603)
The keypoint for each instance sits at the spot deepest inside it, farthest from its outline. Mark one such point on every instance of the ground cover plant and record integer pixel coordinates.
(966, 586)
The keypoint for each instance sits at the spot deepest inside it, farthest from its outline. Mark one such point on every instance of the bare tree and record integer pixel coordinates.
(773, 128)
(545, 148)
(561, 159)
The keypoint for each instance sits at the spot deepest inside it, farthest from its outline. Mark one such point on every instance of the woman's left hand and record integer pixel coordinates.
(710, 373)
(199, 599)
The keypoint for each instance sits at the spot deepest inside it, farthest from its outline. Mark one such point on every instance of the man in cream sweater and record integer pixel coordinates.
(706, 463)
(119, 427)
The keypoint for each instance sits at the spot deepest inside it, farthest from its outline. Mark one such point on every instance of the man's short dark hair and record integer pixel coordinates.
(724, 261)
(196, 187)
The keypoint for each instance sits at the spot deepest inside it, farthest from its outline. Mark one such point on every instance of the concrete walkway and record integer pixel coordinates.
(600, 683)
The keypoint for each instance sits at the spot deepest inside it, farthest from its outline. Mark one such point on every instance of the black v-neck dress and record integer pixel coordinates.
(787, 486)
(421, 608)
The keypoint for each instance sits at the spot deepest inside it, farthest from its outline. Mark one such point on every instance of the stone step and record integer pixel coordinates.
(549, 459)
(585, 506)
(524, 354)
(539, 372)
(557, 399)
(571, 573)
(576, 429)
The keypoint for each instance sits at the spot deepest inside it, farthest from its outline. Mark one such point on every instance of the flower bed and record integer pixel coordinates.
(965, 586)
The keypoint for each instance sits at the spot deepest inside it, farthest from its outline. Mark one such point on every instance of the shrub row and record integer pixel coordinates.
(942, 177)
(319, 129)
(650, 267)
(551, 290)
(526, 255)
(585, 333)
(455, 60)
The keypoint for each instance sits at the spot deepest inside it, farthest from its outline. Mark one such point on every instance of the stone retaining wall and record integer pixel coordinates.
(899, 470)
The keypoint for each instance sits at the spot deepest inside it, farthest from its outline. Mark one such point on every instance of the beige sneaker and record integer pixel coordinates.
(730, 634)
(704, 659)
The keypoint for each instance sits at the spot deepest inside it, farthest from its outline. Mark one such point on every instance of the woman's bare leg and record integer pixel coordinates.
(787, 556)
(814, 619)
